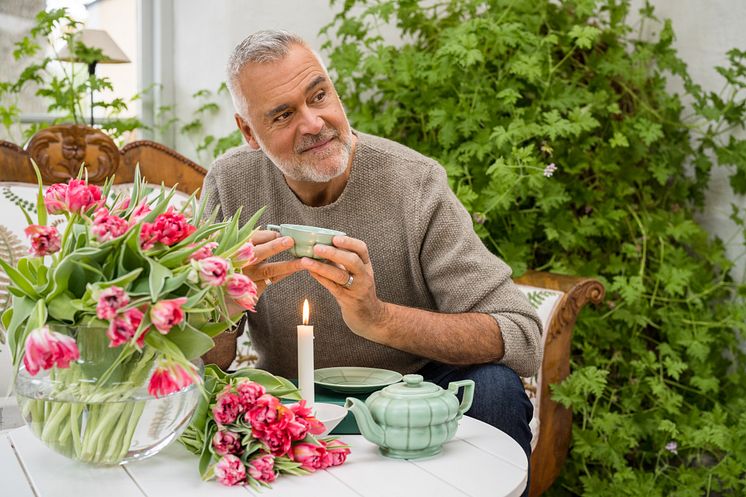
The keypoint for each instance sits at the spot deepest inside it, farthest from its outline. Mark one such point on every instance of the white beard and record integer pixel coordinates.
(297, 170)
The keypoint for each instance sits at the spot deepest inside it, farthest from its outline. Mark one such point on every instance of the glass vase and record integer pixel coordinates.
(99, 410)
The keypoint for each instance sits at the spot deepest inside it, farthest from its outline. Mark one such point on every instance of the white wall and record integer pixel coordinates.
(205, 33)
(119, 19)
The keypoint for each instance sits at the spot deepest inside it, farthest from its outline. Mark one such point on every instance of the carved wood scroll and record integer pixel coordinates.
(60, 150)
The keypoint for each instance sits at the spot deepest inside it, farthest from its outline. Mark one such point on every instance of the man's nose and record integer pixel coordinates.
(311, 122)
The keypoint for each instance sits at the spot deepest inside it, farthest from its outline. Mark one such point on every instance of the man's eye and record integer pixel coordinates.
(283, 116)
(320, 96)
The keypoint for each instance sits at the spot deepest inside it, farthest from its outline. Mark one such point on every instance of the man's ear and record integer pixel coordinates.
(246, 131)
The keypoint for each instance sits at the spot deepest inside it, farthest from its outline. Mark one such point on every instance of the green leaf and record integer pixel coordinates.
(192, 343)
(584, 36)
(205, 470)
(62, 308)
(275, 385)
(619, 140)
(41, 207)
(19, 280)
(22, 308)
(157, 278)
(214, 329)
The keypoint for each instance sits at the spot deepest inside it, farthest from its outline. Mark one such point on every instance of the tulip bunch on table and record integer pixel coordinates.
(119, 292)
(246, 436)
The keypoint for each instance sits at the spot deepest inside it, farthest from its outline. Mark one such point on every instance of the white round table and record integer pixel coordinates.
(479, 461)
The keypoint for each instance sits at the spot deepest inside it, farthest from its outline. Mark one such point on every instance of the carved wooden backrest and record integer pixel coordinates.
(60, 150)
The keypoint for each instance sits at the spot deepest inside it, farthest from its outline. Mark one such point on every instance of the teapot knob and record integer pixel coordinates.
(413, 380)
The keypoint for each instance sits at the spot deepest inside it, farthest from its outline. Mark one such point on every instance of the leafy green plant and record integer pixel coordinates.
(503, 91)
(206, 145)
(65, 86)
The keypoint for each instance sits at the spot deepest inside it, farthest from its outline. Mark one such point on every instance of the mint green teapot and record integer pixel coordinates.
(412, 419)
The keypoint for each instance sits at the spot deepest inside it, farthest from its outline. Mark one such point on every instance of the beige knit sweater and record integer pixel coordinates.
(422, 245)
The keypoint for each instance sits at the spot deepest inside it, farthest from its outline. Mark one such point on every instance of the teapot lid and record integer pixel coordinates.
(413, 385)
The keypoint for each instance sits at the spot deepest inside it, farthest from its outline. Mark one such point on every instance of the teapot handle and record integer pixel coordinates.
(468, 394)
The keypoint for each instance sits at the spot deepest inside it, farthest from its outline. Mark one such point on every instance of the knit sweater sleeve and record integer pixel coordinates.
(463, 276)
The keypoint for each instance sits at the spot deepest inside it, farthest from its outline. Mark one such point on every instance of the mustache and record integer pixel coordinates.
(308, 142)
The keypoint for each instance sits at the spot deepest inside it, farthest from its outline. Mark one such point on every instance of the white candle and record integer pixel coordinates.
(305, 358)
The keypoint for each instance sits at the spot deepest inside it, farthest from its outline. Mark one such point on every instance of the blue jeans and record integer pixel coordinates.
(499, 398)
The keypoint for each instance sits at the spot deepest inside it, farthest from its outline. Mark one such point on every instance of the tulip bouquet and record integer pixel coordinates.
(116, 308)
(244, 435)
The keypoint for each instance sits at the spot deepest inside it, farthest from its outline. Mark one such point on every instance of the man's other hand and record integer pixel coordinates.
(349, 278)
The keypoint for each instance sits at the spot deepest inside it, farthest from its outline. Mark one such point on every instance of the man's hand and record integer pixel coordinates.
(266, 245)
(350, 280)
(461, 338)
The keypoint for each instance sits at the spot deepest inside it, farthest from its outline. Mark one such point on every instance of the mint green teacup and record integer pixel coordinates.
(305, 237)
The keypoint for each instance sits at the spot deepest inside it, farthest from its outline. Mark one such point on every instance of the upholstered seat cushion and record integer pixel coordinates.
(545, 302)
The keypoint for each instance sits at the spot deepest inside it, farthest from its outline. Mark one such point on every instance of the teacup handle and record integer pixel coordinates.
(273, 227)
(468, 394)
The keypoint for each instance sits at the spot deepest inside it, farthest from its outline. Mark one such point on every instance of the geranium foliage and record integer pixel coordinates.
(499, 91)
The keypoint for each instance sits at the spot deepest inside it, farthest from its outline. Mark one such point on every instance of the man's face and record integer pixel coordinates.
(296, 117)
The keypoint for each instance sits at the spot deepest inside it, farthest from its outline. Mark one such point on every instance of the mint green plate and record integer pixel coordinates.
(354, 379)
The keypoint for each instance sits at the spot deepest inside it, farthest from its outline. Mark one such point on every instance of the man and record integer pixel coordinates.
(410, 288)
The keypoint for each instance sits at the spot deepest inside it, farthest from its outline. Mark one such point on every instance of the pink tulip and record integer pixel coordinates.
(310, 456)
(46, 349)
(45, 240)
(203, 252)
(80, 197)
(242, 290)
(54, 198)
(110, 300)
(263, 468)
(169, 377)
(168, 228)
(148, 236)
(239, 286)
(135, 316)
(248, 393)
(213, 270)
(338, 452)
(107, 226)
(123, 327)
(248, 302)
(227, 408)
(230, 470)
(245, 255)
(226, 442)
(139, 213)
(167, 313)
(297, 429)
(264, 413)
(304, 415)
(277, 440)
(122, 206)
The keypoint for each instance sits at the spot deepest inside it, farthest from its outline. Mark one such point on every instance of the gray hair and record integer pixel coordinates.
(261, 47)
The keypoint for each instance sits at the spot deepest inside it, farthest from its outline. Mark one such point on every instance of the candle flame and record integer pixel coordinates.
(306, 312)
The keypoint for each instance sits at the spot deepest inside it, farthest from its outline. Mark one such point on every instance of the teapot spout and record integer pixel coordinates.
(368, 426)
